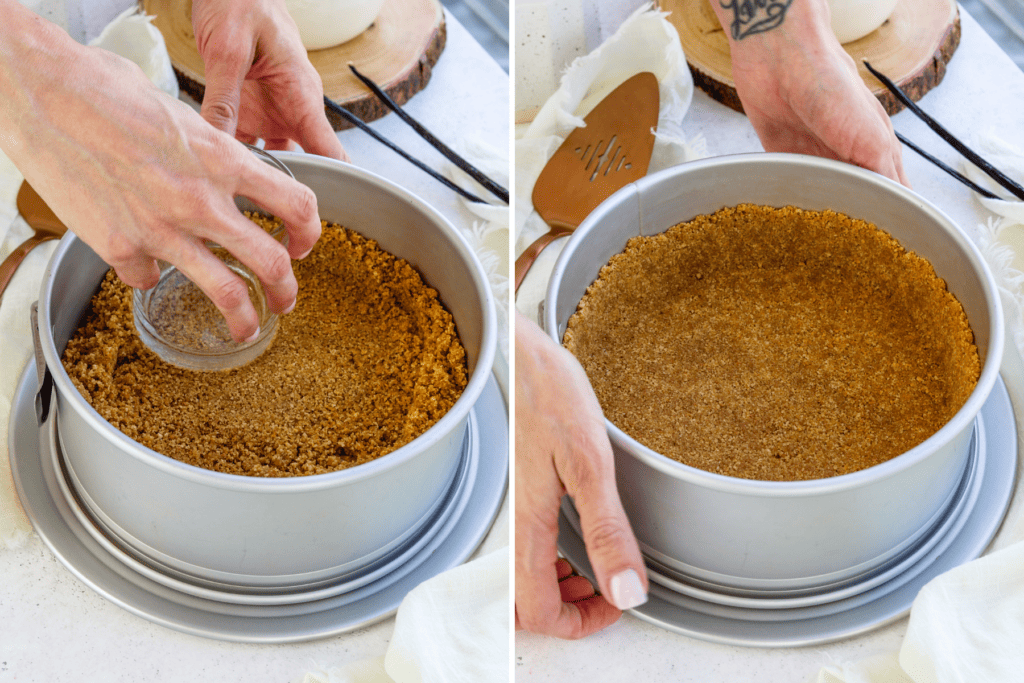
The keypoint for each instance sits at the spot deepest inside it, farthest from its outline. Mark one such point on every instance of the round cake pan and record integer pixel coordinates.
(291, 532)
(766, 536)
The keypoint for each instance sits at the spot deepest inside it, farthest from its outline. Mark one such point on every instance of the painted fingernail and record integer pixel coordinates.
(627, 591)
(253, 337)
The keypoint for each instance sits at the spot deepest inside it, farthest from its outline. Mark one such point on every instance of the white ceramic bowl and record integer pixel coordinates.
(854, 19)
(326, 23)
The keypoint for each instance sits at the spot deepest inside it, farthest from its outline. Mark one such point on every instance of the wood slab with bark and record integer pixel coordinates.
(397, 52)
(912, 48)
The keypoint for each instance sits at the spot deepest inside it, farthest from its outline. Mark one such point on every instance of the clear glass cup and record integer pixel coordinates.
(181, 325)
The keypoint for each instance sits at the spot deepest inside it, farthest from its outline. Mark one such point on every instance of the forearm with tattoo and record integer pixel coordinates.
(755, 16)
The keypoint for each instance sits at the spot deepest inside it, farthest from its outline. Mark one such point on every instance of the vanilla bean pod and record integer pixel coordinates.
(953, 172)
(473, 172)
(971, 155)
(359, 123)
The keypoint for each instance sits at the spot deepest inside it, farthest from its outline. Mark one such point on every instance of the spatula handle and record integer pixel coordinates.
(531, 253)
(15, 258)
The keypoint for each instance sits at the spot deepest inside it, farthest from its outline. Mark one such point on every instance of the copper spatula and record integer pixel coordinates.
(42, 220)
(610, 151)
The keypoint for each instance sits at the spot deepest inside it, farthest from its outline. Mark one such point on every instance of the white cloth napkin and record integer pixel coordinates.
(15, 340)
(646, 41)
(968, 624)
(133, 36)
(453, 628)
(1008, 159)
(489, 236)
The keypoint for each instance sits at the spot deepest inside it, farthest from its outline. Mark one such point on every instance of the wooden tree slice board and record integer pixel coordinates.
(912, 48)
(397, 52)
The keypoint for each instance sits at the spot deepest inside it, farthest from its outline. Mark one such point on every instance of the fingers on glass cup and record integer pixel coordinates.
(181, 325)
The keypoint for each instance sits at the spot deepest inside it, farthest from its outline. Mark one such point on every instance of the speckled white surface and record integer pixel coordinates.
(982, 89)
(53, 628)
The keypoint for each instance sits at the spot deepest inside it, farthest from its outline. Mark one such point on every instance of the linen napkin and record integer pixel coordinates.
(646, 41)
(453, 628)
(968, 624)
(1010, 160)
(15, 340)
(133, 36)
(488, 234)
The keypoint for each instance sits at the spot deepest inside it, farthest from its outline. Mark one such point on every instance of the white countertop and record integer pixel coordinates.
(982, 89)
(54, 628)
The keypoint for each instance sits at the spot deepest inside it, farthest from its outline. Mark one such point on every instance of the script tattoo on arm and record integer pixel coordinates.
(755, 16)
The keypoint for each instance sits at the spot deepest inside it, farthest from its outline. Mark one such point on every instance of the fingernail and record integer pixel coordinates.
(253, 337)
(627, 591)
(304, 255)
(290, 308)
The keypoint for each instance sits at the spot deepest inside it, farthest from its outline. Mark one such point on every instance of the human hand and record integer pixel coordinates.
(140, 176)
(259, 81)
(802, 93)
(562, 447)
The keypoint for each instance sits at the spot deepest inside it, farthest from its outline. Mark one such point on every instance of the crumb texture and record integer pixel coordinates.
(368, 360)
(774, 344)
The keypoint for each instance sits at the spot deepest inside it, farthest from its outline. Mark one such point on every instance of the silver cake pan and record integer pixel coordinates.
(732, 534)
(253, 534)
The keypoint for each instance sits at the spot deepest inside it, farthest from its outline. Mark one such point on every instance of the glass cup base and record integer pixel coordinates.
(180, 324)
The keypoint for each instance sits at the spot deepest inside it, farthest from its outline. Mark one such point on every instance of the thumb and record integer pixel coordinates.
(611, 546)
(224, 78)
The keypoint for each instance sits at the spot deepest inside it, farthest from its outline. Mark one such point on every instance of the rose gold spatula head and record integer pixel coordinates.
(612, 150)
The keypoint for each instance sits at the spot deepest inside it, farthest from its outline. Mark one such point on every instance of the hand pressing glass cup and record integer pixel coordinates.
(182, 325)
(141, 177)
